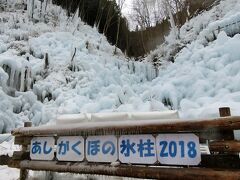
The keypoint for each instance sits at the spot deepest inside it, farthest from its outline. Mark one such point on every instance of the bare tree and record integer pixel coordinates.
(101, 7)
(141, 13)
(169, 13)
(148, 13)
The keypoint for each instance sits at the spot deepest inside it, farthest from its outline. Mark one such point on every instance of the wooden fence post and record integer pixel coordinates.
(224, 111)
(24, 172)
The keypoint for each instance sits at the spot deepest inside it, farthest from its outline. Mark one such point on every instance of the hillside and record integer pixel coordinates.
(203, 75)
(89, 79)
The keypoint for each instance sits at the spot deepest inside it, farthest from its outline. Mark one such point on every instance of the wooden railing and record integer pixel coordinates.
(222, 163)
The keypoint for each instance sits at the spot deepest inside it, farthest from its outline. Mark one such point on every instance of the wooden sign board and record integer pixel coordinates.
(137, 149)
(70, 148)
(101, 149)
(178, 149)
(42, 148)
(168, 149)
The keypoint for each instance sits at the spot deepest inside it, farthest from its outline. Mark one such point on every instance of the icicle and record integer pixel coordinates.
(149, 72)
(43, 95)
(146, 73)
(30, 8)
(12, 77)
(22, 80)
(28, 79)
(19, 81)
(134, 68)
(16, 80)
(44, 10)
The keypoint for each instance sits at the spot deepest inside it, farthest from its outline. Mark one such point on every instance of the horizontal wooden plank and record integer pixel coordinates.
(223, 161)
(215, 134)
(133, 171)
(132, 127)
(225, 146)
(21, 155)
(14, 163)
(207, 135)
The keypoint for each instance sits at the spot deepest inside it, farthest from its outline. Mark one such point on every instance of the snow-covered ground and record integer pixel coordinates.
(82, 74)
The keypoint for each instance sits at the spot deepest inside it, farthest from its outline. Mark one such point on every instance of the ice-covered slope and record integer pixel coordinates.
(205, 27)
(205, 74)
(91, 79)
(79, 74)
(203, 78)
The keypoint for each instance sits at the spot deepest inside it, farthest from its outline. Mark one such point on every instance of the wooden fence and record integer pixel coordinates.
(222, 163)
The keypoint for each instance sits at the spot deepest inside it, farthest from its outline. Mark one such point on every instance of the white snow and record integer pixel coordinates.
(9, 173)
(205, 74)
(116, 116)
(93, 81)
(203, 78)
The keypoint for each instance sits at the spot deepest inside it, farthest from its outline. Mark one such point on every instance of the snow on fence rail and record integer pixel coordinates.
(144, 149)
